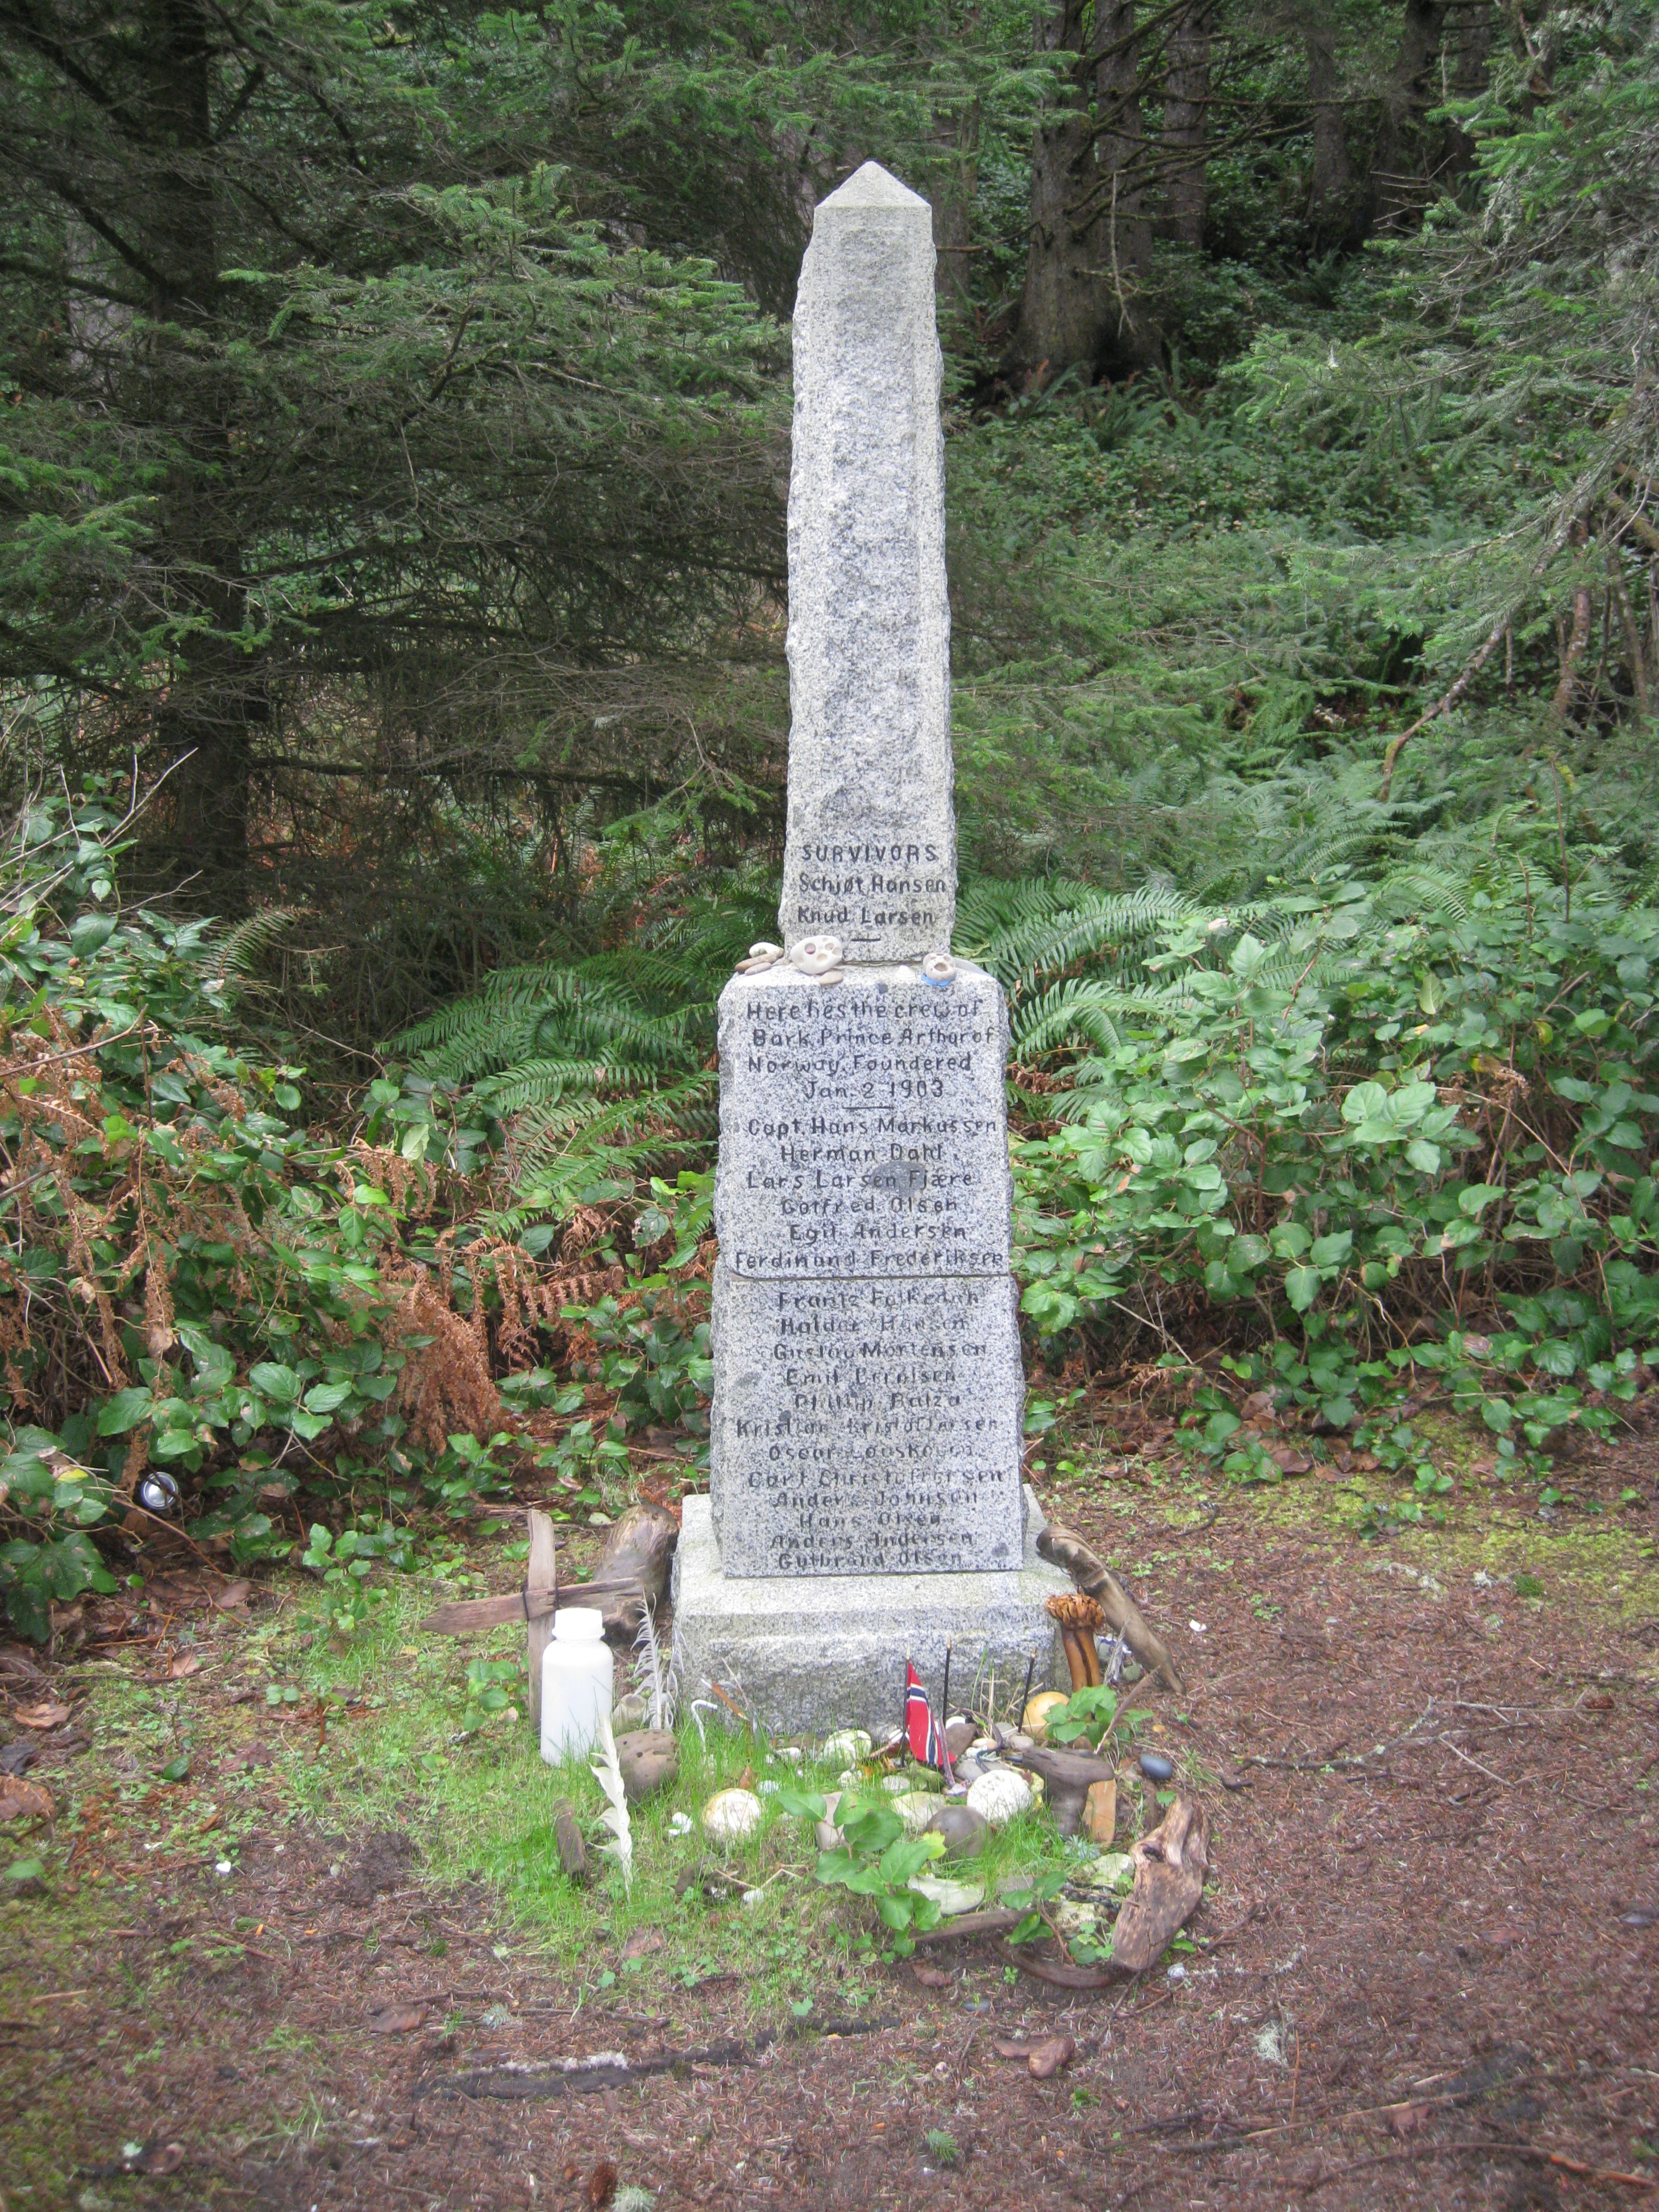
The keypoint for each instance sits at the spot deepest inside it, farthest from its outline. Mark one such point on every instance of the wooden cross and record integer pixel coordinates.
(536, 1604)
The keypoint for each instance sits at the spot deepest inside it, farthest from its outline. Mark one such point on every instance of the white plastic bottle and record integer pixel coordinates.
(577, 1682)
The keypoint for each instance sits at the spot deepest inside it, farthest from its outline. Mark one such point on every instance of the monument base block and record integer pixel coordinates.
(807, 1655)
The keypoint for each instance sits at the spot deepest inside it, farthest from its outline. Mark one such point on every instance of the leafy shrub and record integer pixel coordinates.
(1411, 1128)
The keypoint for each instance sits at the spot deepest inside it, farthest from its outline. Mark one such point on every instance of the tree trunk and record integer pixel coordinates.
(1133, 338)
(1334, 200)
(1064, 306)
(1399, 189)
(1186, 126)
(198, 834)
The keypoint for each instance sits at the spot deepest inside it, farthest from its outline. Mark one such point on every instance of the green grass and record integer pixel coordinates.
(482, 1808)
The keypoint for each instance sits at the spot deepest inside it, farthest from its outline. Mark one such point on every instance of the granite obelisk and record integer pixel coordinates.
(866, 1497)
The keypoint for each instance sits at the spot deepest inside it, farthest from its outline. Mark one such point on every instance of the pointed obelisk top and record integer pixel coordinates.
(871, 854)
(874, 186)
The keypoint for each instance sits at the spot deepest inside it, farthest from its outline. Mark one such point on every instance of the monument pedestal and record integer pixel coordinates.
(807, 1654)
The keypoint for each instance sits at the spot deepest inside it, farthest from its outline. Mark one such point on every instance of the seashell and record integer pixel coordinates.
(763, 949)
(816, 955)
(916, 1809)
(950, 1897)
(999, 1797)
(939, 969)
(904, 976)
(848, 1747)
(730, 1815)
(834, 975)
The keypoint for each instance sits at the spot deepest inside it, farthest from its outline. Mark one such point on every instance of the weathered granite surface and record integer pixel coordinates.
(865, 1491)
(863, 1125)
(871, 852)
(867, 1426)
(807, 1654)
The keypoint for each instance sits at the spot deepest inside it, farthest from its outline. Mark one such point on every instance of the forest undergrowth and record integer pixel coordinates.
(1304, 674)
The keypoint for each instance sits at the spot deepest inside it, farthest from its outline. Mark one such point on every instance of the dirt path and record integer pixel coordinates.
(1430, 1966)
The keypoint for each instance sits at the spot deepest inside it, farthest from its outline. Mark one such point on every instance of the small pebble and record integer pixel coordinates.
(1156, 1767)
(1176, 1974)
(679, 1823)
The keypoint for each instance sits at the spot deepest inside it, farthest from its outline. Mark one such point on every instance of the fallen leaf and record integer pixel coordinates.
(47, 1716)
(187, 1663)
(643, 1940)
(930, 1978)
(398, 2019)
(23, 1800)
(1006, 2047)
(1405, 2119)
(162, 2158)
(602, 2183)
(232, 1593)
(1287, 1459)
(1050, 2054)
(14, 1757)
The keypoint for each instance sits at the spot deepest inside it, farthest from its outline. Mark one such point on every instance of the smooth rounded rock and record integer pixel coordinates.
(1001, 1796)
(1035, 1717)
(966, 1831)
(731, 1815)
(916, 1809)
(846, 1748)
(950, 1897)
(1156, 1767)
(1112, 1870)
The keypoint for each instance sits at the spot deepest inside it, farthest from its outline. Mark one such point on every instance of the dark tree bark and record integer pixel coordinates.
(1133, 339)
(1335, 211)
(1090, 235)
(1186, 125)
(1062, 310)
(1398, 181)
(198, 833)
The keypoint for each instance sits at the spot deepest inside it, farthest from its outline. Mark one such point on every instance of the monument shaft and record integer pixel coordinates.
(872, 854)
(865, 1494)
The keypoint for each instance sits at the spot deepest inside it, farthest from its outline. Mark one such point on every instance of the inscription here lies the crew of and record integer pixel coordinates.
(868, 1420)
(862, 1128)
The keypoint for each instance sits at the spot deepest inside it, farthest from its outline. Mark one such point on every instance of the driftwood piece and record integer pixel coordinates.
(1065, 1549)
(541, 1576)
(1058, 1976)
(637, 1554)
(469, 1613)
(1068, 1777)
(567, 1838)
(995, 1922)
(1169, 1865)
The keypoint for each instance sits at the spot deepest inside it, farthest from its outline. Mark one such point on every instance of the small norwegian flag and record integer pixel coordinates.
(925, 1747)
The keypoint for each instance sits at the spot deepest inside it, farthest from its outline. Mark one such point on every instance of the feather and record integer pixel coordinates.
(608, 1775)
(664, 1690)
